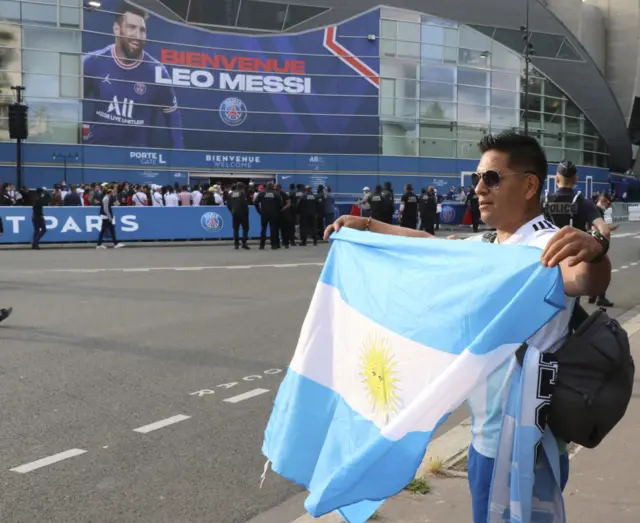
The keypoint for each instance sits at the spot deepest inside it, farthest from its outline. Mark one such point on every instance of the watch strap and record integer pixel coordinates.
(603, 242)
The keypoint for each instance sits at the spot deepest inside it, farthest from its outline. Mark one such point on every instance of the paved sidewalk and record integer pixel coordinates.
(603, 486)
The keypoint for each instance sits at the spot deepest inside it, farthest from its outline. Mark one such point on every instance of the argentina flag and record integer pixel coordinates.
(398, 334)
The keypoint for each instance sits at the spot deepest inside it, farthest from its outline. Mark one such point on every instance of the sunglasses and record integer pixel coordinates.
(491, 178)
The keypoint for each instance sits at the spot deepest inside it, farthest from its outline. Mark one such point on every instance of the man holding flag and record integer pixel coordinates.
(509, 182)
(372, 378)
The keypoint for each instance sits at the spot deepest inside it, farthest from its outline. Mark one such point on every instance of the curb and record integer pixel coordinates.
(452, 446)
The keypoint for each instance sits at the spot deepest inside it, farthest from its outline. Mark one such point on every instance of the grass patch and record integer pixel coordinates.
(419, 486)
(374, 517)
(435, 466)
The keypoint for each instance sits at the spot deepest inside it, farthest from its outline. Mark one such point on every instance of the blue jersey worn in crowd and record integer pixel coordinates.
(382, 361)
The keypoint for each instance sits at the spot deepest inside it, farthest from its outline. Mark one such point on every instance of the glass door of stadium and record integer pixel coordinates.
(226, 179)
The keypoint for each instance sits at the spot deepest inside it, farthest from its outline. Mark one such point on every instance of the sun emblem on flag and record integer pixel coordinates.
(379, 376)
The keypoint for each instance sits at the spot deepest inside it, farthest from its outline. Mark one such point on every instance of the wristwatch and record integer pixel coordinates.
(603, 242)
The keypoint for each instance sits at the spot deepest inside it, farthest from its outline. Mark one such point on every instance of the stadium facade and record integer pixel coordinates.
(320, 91)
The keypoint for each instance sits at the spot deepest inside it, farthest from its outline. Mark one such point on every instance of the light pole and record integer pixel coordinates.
(65, 158)
(528, 51)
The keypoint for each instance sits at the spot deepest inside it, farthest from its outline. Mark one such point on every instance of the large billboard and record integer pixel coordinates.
(153, 83)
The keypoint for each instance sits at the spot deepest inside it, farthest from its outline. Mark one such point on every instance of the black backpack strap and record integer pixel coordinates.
(578, 317)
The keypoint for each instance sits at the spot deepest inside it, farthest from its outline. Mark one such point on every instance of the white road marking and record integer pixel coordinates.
(50, 460)
(624, 267)
(162, 423)
(247, 395)
(614, 270)
(634, 263)
(212, 267)
(623, 234)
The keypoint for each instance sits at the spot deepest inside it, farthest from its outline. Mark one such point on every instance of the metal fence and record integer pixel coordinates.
(623, 212)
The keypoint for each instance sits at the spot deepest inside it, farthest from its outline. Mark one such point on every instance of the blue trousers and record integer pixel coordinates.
(481, 474)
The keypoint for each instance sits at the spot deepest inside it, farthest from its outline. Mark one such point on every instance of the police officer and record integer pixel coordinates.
(285, 221)
(299, 195)
(565, 207)
(378, 205)
(4, 313)
(290, 215)
(269, 203)
(308, 208)
(473, 203)
(428, 206)
(389, 203)
(409, 208)
(37, 218)
(238, 205)
(604, 202)
(320, 198)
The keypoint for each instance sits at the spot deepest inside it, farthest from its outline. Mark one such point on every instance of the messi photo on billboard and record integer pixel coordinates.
(125, 105)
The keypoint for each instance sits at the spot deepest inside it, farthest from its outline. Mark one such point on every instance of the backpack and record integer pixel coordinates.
(594, 381)
(595, 376)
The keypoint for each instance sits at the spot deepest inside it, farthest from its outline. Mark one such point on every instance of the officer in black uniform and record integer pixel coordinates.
(238, 205)
(299, 195)
(320, 198)
(473, 202)
(284, 221)
(409, 208)
(378, 207)
(4, 313)
(428, 206)
(603, 204)
(565, 207)
(308, 211)
(389, 203)
(290, 215)
(268, 204)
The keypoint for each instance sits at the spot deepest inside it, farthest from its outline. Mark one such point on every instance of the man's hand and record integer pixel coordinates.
(572, 245)
(352, 222)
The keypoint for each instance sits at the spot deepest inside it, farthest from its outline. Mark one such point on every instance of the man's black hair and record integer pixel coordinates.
(126, 7)
(525, 153)
(567, 169)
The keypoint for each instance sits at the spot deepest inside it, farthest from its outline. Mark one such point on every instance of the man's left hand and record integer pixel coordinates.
(572, 245)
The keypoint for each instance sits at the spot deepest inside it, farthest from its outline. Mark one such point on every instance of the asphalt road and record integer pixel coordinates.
(104, 344)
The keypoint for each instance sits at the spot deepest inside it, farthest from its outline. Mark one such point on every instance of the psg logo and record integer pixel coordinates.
(140, 88)
(211, 222)
(233, 112)
(448, 214)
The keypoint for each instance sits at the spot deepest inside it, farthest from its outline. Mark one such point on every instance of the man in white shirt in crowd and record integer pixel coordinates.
(157, 199)
(510, 178)
(139, 198)
(196, 196)
(171, 198)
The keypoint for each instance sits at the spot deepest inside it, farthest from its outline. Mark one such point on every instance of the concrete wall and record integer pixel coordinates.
(593, 34)
(623, 29)
(568, 11)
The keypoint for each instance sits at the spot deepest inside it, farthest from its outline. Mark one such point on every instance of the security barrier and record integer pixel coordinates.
(624, 212)
(82, 224)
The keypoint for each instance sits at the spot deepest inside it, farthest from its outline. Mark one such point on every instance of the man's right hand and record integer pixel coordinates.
(352, 222)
